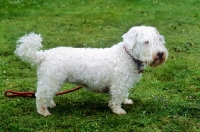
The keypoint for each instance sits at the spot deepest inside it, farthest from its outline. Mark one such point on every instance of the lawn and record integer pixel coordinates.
(166, 99)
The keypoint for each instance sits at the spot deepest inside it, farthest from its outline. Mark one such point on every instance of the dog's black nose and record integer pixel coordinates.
(160, 54)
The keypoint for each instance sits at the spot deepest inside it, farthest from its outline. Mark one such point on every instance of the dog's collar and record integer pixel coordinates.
(140, 64)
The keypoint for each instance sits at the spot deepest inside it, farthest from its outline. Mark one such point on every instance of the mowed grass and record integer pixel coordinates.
(166, 99)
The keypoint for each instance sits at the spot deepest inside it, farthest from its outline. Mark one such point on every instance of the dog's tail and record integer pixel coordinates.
(28, 47)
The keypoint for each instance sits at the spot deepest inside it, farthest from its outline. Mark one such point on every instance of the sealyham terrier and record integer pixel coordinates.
(111, 70)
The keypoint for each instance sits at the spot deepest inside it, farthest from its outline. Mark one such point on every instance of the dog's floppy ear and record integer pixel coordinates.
(156, 30)
(161, 38)
(130, 38)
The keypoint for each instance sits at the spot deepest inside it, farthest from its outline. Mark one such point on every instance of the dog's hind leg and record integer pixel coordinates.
(46, 90)
(52, 104)
(42, 103)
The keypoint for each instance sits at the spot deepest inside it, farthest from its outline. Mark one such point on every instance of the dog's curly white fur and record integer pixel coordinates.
(109, 70)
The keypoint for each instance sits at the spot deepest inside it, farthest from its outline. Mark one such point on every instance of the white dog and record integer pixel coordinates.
(110, 70)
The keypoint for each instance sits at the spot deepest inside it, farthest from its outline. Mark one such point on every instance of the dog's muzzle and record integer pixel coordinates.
(159, 59)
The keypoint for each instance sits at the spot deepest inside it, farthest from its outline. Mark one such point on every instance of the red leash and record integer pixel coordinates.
(11, 93)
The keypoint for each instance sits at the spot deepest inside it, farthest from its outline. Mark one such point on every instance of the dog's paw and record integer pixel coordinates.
(44, 111)
(47, 114)
(128, 101)
(119, 111)
(52, 104)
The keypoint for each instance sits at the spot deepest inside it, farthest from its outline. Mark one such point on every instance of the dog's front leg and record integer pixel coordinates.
(117, 98)
(128, 101)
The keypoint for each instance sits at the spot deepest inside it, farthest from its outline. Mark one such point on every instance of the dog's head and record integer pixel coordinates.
(146, 44)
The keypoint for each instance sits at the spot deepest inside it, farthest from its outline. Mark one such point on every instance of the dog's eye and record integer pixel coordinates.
(146, 42)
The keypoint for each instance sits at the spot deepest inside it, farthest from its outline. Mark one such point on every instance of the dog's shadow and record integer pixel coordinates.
(92, 104)
(95, 105)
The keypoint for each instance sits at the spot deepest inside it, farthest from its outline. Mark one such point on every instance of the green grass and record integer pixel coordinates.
(166, 99)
